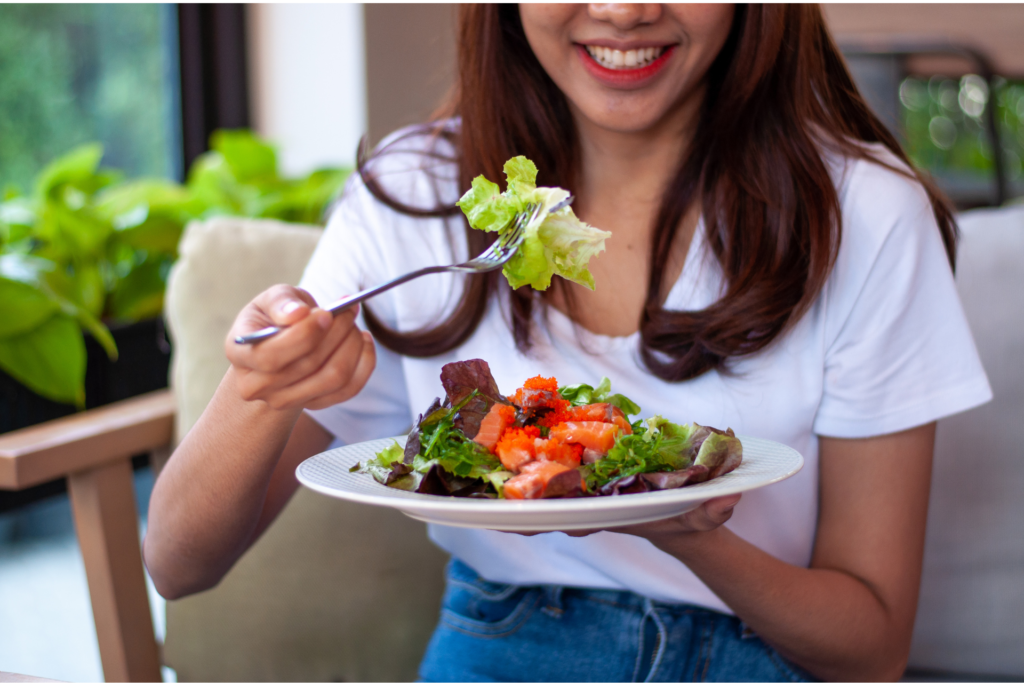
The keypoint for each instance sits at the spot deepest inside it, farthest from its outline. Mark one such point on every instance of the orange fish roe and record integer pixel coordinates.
(516, 447)
(542, 383)
(537, 383)
(562, 411)
(598, 412)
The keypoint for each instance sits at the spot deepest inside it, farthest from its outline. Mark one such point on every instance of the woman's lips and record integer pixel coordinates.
(624, 78)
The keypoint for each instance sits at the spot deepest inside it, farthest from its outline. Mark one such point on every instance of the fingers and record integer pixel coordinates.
(285, 305)
(306, 329)
(712, 514)
(317, 359)
(337, 377)
(364, 368)
(300, 352)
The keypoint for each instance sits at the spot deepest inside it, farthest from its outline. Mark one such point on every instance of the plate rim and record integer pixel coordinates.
(442, 504)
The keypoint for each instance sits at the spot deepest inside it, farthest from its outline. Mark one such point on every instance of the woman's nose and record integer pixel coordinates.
(625, 15)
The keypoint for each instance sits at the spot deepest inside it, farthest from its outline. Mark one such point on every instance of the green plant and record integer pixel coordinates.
(88, 247)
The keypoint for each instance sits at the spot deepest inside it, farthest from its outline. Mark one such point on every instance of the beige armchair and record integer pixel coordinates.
(336, 591)
(333, 590)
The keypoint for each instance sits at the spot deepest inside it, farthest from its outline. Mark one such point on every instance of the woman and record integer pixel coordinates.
(775, 266)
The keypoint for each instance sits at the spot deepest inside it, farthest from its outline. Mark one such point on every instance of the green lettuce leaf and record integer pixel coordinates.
(556, 243)
(584, 394)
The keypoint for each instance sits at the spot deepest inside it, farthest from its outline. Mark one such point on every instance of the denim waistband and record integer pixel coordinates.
(462, 573)
(497, 631)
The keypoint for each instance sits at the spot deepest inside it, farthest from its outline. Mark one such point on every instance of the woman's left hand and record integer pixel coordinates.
(707, 517)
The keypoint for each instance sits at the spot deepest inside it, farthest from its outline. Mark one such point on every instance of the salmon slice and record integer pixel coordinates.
(602, 412)
(598, 436)
(515, 448)
(554, 450)
(514, 456)
(533, 480)
(494, 424)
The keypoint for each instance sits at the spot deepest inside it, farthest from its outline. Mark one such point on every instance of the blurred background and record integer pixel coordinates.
(119, 124)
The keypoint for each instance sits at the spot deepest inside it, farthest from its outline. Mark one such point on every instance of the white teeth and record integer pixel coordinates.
(629, 59)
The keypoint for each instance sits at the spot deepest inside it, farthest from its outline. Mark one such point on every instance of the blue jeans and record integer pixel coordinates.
(497, 632)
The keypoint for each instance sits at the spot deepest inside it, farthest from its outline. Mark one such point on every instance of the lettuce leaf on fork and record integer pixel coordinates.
(556, 243)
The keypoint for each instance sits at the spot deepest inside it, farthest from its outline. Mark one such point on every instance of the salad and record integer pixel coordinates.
(556, 243)
(546, 441)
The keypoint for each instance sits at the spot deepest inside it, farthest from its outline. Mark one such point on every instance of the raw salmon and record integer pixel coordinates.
(516, 447)
(554, 450)
(602, 412)
(533, 479)
(494, 424)
(598, 436)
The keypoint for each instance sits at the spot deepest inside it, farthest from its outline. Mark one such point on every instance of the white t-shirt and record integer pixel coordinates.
(885, 348)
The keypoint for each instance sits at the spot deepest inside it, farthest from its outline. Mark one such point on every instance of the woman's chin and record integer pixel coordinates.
(633, 118)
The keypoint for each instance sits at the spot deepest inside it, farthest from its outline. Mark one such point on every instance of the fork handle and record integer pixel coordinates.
(347, 301)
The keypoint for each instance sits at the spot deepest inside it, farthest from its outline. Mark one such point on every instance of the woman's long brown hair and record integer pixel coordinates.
(778, 96)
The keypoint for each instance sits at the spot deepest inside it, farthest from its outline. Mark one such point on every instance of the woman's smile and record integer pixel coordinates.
(628, 68)
(624, 67)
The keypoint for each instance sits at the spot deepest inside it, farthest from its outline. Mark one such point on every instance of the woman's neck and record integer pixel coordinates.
(621, 182)
(633, 168)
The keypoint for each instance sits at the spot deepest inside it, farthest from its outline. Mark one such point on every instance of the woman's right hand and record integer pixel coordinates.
(317, 361)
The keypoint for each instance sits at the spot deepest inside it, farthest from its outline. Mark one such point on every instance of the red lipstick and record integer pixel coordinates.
(624, 78)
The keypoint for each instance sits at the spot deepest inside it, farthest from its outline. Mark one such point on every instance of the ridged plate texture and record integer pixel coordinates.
(764, 462)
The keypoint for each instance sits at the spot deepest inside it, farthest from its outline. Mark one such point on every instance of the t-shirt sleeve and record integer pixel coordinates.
(899, 352)
(347, 259)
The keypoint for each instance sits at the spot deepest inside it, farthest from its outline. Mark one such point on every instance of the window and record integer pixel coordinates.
(945, 131)
(73, 73)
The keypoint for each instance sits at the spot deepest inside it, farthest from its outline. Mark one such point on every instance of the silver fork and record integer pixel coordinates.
(495, 257)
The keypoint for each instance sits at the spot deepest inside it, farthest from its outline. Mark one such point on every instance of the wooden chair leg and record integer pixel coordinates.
(103, 502)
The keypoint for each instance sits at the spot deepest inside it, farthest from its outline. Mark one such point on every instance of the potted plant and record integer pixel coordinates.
(84, 260)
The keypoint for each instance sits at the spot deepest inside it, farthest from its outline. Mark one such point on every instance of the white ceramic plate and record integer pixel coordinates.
(764, 462)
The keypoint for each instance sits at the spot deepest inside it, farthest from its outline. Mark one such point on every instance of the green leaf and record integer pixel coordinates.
(577, 394)
(77, 166)
(248, 157)
(521, 174)
(22, 307)
(73, 234)
(49, 360)
(584, 394)
(98, 330)
(150, 230)
(140, 294)
(304, 201)
(90, 291)
(208, 183)
(555, 243)
(571, 244)
(151, 193)
(485, 208)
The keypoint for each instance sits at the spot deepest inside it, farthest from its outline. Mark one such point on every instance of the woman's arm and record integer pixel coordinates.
(851, 614)
(234, 471)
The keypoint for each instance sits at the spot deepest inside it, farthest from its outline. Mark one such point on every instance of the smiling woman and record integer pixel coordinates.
(774, 265)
